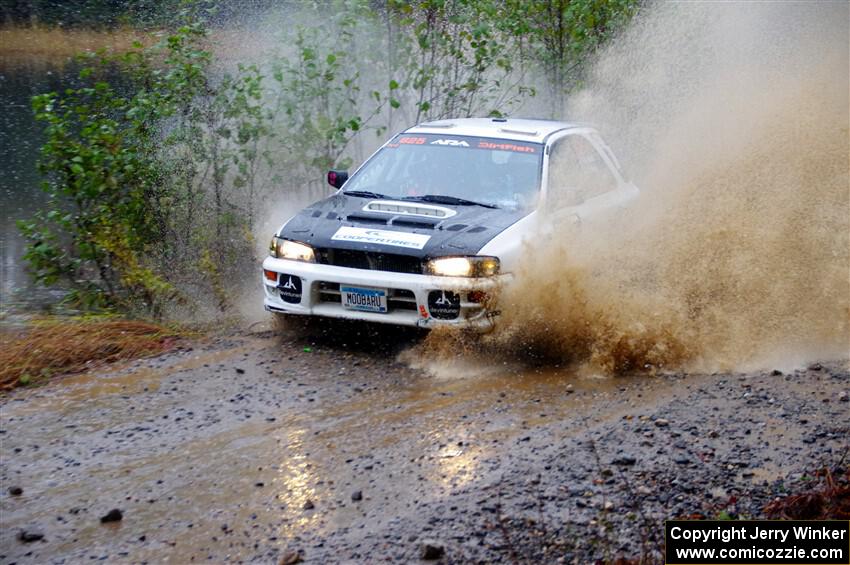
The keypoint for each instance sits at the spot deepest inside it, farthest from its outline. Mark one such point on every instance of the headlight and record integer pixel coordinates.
(285, 249)
(463, 266)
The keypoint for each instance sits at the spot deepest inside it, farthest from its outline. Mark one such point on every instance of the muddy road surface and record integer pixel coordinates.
(269, 448)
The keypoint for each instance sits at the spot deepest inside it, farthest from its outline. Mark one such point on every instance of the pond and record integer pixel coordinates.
(20, 193)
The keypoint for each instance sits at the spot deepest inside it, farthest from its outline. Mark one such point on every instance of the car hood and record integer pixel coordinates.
(348, 222)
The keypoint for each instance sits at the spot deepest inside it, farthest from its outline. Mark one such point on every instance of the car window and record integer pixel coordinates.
(577, 172)
(493, 171)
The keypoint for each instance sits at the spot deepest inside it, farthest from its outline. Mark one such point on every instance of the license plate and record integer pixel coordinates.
(364, 299)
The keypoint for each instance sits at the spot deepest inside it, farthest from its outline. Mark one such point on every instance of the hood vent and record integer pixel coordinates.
(367, 219)
(413, 223)
(456, 227)
(409, 209)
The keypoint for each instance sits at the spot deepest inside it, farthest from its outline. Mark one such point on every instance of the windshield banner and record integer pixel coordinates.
(462, 142)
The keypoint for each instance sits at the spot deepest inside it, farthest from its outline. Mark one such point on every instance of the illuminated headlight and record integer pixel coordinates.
(285, 249)
(463, 266)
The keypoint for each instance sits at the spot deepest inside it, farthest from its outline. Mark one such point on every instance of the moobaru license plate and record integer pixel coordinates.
(364, 299)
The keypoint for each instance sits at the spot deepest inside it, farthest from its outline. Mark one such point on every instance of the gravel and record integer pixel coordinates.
(509, 465)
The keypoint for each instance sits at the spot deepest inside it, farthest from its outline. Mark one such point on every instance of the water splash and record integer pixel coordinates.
(733, 119)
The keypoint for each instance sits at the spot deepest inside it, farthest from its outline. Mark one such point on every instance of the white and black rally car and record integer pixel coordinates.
(430, 226)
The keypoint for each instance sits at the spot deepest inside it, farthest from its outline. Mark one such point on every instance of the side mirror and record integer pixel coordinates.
(337, 178)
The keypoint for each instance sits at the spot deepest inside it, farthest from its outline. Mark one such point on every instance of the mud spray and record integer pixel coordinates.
(732, 118)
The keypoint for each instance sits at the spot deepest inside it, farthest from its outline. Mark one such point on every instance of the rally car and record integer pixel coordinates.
(428, 228)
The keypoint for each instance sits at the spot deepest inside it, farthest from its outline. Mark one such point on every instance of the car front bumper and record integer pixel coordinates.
(407, 294)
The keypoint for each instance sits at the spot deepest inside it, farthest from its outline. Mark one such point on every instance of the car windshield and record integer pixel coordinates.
(455, 170)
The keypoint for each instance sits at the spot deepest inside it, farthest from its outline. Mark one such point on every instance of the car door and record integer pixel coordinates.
(584, 182)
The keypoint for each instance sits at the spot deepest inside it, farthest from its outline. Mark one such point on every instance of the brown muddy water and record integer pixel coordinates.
(184, 466)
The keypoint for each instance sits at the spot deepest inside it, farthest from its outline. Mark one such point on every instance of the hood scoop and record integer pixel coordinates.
(367, 219)
(414, 222)
(420, 209)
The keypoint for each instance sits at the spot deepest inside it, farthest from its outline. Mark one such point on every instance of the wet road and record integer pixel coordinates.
(251, 447)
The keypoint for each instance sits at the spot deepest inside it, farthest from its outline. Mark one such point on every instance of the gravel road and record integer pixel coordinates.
(268, 448)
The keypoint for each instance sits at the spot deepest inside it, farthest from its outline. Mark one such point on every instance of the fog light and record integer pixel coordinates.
(270, 275)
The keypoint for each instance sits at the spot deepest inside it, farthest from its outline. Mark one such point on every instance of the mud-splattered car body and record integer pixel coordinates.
(427, 230)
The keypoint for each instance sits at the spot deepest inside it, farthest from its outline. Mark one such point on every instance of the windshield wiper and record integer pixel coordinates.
(364, 194)
(443, 199)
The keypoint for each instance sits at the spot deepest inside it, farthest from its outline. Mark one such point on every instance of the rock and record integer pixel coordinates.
(16, 491)
(430, 550)
(260, 484)
(29, 537)
(356, 495)
(308, 505)
(662, 423)
(624, 460)
(776, 373)
(843, 396)
(290, 558)
(240, 371)
(815, 367)
(113, 515)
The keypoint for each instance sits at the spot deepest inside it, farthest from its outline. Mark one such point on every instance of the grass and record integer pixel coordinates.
(57, 45)
(53, 347)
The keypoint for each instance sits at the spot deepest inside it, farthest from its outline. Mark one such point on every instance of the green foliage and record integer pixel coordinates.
(565, 34)
(318, 100)
(461, 57)
(140, 181)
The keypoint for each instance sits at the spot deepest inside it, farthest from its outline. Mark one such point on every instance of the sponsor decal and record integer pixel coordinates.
(422, 311)
(452, 142)
(412, 140)
(443, 301)
(507, 146)
(381, 237)
(443, 304)
(289, 288)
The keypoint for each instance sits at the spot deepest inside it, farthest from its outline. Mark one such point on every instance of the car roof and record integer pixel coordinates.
(515, 129)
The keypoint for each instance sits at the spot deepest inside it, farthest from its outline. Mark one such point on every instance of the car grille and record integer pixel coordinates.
(370, 260)
(397, 298)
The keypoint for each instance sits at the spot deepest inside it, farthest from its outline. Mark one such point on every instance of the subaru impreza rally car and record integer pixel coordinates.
(428, 228)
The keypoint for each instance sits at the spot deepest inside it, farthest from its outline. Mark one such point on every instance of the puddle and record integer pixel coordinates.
(70, 390)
